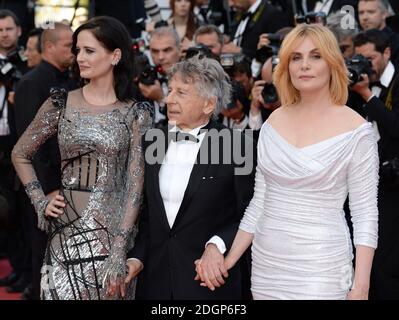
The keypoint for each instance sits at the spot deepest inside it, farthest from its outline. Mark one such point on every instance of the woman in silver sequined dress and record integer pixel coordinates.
(91, 223)
(312, 152)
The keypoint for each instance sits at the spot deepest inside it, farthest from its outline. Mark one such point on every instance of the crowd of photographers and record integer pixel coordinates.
(244, 36)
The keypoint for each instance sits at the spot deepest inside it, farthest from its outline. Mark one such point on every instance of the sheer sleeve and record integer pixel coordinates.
(363, 185)
(115, 266)
(43, 126)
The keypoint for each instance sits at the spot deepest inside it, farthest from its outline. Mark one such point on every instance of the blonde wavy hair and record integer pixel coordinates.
(325, 41)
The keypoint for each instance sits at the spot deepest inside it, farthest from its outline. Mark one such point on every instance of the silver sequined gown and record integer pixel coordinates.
(302, 247)
(102, 178)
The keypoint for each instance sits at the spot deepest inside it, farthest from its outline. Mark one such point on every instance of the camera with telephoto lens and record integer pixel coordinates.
(144, 72)
(269, 92)
(231, 63)
(265, 52)
(358, 65)
(9, 73)
(312, 17)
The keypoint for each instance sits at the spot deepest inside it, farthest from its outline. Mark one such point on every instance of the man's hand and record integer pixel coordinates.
(135, 266)
(210, 268)
(362, 88)
(257, 100)
(263, 41)
(153, 92)
(231, 48)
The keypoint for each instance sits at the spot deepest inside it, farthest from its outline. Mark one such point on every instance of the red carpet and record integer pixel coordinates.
(5, 270)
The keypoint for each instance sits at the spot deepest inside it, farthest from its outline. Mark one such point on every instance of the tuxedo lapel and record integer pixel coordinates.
(196, 176)
(255, 17)
(155, 182)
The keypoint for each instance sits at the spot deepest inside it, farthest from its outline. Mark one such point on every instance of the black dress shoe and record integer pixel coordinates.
(18, 286)
(9, 280)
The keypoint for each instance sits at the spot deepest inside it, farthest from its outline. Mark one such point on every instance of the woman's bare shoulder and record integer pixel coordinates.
(279, 114)
(350, 118)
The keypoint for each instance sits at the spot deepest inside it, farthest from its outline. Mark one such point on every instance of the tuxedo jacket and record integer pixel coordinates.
(213, 204)
(266, 19)
(384, 110)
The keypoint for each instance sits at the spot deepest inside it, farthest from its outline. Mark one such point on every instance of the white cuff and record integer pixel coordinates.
(218, 242)
(131, 259)
(255, 122)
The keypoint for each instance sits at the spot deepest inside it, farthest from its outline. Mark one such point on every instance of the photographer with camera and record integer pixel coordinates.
(373, 15)
(12, 65)
(378, 101)
(164, 48)
(254, 18)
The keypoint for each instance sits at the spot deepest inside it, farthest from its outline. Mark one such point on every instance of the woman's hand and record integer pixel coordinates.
(54, 208)
(358, 294)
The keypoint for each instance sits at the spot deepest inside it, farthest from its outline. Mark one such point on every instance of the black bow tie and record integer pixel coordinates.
(245, 15)
(376, 84)
(183, 136)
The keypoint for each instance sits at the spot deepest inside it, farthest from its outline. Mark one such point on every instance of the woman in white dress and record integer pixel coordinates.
(312, 152)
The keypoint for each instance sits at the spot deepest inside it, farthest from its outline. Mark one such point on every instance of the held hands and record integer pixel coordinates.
(54, 207)
(118, 286)
(211, 268)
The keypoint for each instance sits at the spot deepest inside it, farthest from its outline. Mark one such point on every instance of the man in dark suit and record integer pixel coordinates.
(373, 15)
(196, 190)
(33, 89)
(254, 17)
(10, 31)
(379, 103)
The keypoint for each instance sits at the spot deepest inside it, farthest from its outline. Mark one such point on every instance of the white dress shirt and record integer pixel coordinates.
(324, 6)
(174, 176)
(4, 126)
(243, 23)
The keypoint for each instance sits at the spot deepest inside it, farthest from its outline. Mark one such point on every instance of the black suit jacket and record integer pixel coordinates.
(213, 204)
(266, 19)
(32, 91)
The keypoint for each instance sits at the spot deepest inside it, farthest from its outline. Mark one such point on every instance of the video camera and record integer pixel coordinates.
(312, 17)
(358, 65)
(9, 73)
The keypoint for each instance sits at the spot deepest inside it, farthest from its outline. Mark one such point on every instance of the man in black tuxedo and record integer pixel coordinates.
(379, 103)
(32, 91)
(254, 18)
(195, 192)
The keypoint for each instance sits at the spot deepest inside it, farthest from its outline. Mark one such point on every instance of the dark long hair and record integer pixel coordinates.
(191, 23)
(113, 35)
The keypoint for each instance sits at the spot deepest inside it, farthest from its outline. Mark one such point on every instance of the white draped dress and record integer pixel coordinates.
(302, 247)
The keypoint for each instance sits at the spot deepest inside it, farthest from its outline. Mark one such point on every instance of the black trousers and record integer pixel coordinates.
(384, 282)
